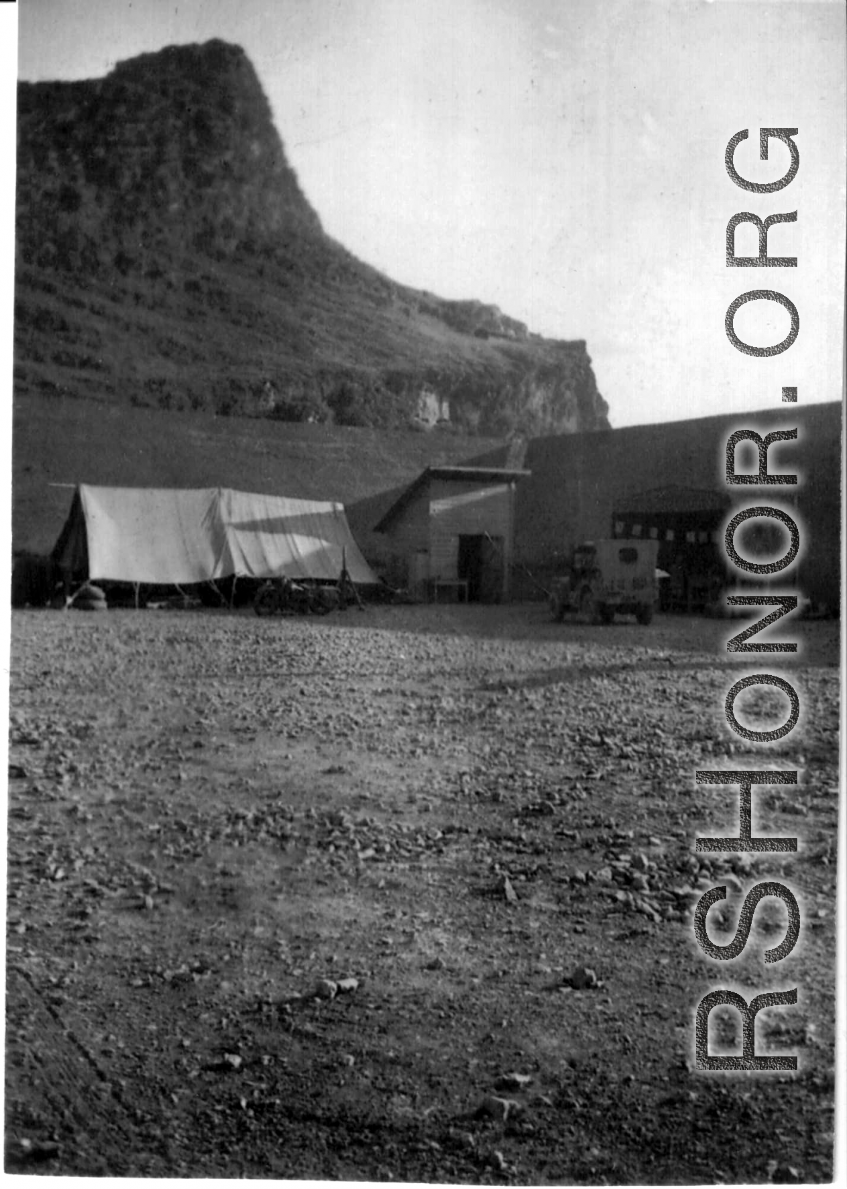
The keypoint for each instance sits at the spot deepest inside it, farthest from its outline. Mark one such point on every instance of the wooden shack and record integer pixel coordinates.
(451, 533)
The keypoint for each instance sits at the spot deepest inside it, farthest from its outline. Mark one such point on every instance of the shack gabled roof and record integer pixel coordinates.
(452, 474)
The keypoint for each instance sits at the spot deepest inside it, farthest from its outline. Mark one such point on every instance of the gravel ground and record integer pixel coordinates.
(404, 894)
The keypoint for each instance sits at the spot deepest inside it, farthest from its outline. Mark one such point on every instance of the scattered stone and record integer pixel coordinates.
(346, 986)
(35, 1150)
(185, 829)
(506, 889)
(513, 1081)
(583, 979)
(325, 988)
(648, 909)
(227, 1063)
(784, 1174)
(741, 863)
(500, 1109)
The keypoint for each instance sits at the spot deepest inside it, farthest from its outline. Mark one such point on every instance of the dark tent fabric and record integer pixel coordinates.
(164, 536)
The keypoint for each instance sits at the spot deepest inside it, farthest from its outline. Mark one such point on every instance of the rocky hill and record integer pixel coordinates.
(167, 258)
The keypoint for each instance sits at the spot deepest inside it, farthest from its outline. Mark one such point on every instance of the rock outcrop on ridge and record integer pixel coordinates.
(167, 257)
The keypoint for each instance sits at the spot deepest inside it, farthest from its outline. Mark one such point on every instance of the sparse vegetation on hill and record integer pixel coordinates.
(167, 259)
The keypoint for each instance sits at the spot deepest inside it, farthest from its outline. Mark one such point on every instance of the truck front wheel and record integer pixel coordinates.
(644, 614)
(588, 607)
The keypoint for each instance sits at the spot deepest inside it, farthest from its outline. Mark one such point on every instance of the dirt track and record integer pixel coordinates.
(457, 808)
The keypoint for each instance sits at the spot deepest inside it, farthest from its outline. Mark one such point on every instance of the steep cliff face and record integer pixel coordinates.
(173, 152)
(167, 257)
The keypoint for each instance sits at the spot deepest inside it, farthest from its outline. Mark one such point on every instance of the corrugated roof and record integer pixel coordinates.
(485, 474)
(454, 474)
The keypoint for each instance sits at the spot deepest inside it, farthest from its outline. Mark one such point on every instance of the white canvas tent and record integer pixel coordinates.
(168, 536)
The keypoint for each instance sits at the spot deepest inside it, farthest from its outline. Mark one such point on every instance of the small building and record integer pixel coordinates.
(583, 485)
(452, 533)
(687, 523)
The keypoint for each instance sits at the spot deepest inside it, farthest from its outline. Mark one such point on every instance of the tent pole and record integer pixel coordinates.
(346, 583)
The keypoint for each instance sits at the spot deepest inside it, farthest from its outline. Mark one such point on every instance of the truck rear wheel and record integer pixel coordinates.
(644, 614)
(607, 613)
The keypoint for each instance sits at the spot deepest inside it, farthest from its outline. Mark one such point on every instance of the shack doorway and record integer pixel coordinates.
(480, 564)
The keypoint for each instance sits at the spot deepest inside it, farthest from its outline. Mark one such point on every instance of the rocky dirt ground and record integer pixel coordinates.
(403, 895)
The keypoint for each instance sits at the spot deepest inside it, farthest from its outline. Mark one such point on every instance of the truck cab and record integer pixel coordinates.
(608, 578)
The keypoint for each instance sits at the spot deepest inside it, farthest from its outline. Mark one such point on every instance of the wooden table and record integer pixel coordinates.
(460, 585)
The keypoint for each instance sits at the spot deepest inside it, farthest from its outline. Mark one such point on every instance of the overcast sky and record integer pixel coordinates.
(563, 159)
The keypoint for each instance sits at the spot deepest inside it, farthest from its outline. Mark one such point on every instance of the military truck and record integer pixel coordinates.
(607, 578)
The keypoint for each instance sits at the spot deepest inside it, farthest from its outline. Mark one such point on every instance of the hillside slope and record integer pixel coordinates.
(60, 442)
(167, 258)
